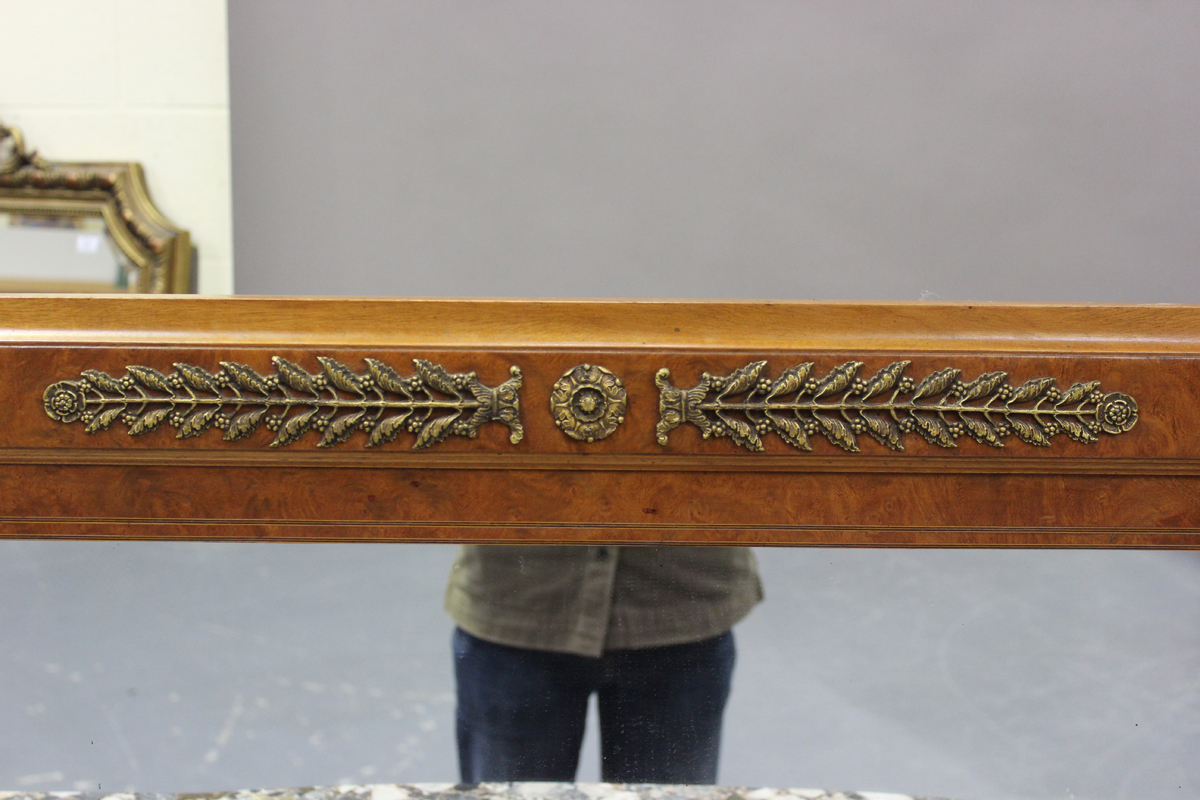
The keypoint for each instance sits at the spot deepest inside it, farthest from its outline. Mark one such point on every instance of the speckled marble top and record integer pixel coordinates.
(486, 791)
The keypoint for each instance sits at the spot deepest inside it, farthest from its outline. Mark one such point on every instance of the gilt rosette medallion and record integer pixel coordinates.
(588, 403)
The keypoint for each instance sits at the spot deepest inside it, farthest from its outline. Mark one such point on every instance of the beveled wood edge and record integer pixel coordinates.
(634, 324)
(981, 537)
(601, 462)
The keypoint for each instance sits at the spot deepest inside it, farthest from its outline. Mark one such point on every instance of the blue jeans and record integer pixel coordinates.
(521, 712)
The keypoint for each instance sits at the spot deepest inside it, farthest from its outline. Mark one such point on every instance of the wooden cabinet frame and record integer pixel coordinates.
(699, 422)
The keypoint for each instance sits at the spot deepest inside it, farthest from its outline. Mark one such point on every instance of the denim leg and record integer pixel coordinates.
(521, 712)
(661, 710)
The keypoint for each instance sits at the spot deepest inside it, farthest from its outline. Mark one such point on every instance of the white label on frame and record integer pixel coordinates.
(88, 243)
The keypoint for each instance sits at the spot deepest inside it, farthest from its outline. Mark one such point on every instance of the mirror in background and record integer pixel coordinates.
(45, 253)
(67, 227)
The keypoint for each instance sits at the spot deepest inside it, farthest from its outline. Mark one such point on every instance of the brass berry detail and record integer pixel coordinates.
(336, 402)
(841, 406)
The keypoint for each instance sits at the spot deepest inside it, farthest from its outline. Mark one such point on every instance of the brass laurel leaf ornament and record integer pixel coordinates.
(334, 402)
(841, 406)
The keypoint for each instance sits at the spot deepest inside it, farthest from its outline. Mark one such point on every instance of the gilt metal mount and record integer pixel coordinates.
(432, 404)
(588, 402)
(841, 406)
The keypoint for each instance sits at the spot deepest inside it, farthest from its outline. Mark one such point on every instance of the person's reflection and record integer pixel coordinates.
(647, 629)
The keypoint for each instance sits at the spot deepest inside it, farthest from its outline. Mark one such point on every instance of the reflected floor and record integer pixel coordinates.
(166, 667)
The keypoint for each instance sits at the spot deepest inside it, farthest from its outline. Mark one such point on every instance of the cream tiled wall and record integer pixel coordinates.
(131, 80)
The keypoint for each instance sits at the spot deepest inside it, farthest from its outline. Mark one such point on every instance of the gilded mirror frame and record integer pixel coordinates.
(115, 192)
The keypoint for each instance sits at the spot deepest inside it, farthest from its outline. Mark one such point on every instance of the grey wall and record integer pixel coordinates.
(982, 151)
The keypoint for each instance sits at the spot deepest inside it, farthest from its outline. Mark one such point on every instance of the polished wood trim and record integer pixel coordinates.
(731, 507)
(1136, 489)
(608, 462)
(425, 533)
(798, 326)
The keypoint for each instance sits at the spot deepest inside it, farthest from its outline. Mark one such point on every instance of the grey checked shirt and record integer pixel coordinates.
(586, 599)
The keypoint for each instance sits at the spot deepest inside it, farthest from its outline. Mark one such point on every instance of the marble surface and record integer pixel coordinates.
(485, 791)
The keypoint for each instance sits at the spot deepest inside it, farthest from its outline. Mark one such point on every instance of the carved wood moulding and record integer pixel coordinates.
(929, 424)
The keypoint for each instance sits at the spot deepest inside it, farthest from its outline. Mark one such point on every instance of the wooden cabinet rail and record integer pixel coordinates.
(790, 423)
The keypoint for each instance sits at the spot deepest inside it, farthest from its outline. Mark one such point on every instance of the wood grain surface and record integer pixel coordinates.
(1136, 489)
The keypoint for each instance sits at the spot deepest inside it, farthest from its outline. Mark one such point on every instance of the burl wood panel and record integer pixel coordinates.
(1136, 489)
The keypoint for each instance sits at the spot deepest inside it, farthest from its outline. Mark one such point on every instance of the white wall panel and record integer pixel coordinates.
(131, 80)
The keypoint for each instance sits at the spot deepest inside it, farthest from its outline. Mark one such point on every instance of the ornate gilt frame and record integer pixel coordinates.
(115, 192)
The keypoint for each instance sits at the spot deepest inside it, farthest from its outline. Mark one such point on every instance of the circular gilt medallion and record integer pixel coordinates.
(588, 403)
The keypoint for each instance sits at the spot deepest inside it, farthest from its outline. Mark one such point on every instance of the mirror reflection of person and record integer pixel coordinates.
(646, 628)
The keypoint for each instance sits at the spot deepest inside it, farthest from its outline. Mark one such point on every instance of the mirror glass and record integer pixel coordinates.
(177, 666)
(45, 253)
(970, 151)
